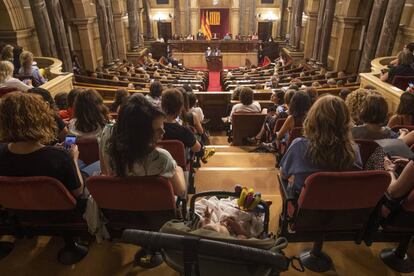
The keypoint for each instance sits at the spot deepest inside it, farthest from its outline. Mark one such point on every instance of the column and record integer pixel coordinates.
(187, 17)
(133, 24)
(235, 17)
(252, 23)
(242, 11)
(390, 28)
(292, 23)
(104, 32)
(281, 29)
(318, 33)
(300, 5)
(326, 30)
(148, 26)
(177, 17)
(372, 35)
(43, 29)
(59, 33)
(195, 20)
(112, 30)
(119, 15)
(347, 26)
(85, 28)
(310, 31)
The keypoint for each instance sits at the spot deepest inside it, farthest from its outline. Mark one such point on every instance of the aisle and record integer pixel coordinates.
(214, 81)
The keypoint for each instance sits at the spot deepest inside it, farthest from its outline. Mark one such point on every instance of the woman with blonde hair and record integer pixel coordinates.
(27, 125)
(7, 80)
(326, 146)
(28, 69)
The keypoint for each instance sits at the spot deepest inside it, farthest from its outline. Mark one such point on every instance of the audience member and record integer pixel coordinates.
(247, 103)
(89, 115)
(405, 111)
(172, 103)
(28, 69)
(373, 117)
(129, 147)
(67, 114)
(121, 96)
(7, 53)
(326, 146)
(404, 67)
(155, 93)
(7, 80)
(62, 130)
(27, 125)
(354, 102)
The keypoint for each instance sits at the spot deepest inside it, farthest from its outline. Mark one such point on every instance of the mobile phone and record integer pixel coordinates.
(411, 85)
(69, 141)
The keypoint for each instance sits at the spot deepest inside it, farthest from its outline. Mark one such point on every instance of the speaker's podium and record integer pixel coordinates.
(214, 63)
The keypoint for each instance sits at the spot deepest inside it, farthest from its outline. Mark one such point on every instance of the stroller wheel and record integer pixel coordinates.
(148, 258)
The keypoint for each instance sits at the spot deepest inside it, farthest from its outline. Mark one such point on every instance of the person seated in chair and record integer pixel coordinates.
(7, 80)
(404, 67)
(405, 111)
(326, 146)
(27, 125)
(90, 115)
(29, 69)
(128, 147)
(373, 117)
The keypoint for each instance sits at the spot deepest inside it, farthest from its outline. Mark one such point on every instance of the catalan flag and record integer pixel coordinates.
(205, 25)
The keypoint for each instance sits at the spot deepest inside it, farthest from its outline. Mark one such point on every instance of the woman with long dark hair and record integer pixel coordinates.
(128, 147)
(90, 114)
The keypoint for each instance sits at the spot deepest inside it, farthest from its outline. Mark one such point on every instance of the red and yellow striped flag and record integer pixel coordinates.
(205, 25)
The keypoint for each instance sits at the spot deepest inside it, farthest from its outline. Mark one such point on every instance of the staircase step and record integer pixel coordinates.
(263, 180)
(241, 159)
(228, 148)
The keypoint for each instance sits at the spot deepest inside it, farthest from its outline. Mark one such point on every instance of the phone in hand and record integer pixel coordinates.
(411, 85)
(69, 141)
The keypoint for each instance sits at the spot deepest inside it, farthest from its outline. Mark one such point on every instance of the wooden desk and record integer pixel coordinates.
(226, 46)
(234, 52)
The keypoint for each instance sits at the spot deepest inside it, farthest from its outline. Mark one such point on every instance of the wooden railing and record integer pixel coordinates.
(391, 93)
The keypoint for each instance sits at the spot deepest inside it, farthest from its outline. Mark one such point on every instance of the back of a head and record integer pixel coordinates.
(89, 111)
(192, 99)
(344, 93)
(46, 96)
(354, 101)
(246, 95)
(133, 135)
(156, 89)
(405, 57)
(406, 106)
(299, 105)
(172, 102)
(410, 46)
(26, 60)
(61, 100)
(7, 52)
(6, 70)
(374, 109)
(72, 96)
(26, 117)
(289, 95)
(327, 128)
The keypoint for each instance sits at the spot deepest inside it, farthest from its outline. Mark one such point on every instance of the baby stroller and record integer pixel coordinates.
(205, 252)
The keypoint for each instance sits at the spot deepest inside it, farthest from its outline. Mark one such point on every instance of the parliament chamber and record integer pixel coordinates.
(206, 137)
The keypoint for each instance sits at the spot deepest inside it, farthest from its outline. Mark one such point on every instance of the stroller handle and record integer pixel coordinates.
(207, 247)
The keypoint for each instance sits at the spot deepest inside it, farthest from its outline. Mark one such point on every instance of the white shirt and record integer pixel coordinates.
(199, 112)
(254, 107)
(16, 83)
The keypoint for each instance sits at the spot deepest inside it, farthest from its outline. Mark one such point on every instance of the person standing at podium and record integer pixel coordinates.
(208, 53)
(216, 52)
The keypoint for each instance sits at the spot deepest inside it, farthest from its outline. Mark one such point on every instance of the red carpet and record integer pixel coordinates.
(214, 81)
